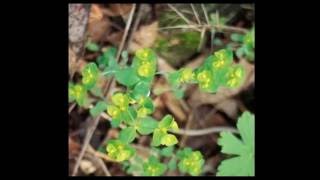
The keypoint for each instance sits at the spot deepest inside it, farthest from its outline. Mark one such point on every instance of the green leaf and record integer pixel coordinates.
(237, 166)
(129, 116)
(97, 91)
(231, 144)
(172, 165)
(240, 52)
(217, 42)
(173, 79)
(98, 108)
(153, 167)
(169, 140)
(237, 37)
(108, 58)
(185, 152)
(166, 122)
(167, 151)
(127, 135)
(146, 125)
(243, 164)
(90, 74)
(94, 47)
(141, 89)
(115, 122)
(246, 127)
(178, 93)
(127, 76)
(157, 136)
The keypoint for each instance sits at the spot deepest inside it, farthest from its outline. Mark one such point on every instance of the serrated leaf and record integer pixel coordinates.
(98, 108)
(169, 140)
(246, 127)
(231, 144)
(127, 135)
(242, 165)
(127, 76)
(147, 126)
(237, 166)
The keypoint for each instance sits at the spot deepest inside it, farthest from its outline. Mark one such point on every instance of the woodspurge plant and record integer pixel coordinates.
(131, 110)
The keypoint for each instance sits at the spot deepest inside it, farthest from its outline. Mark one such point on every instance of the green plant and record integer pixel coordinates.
(246, 49)
(243, 163)
(131, 109)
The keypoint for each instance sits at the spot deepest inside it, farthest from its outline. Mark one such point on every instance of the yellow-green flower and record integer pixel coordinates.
(192, 163)
(113, 111)
(235, 76)
(221, 59)
(144, 54)
(90, 75)
(187, 75)
(77, 92)
(121, 100)
(143, 112)
(146, 69)
(119, 151)
(205, 79)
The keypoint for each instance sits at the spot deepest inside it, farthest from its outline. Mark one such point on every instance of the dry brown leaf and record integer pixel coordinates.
(115, 38)
(120, 9)
(96, 13)
(144, 37)
(74, 147)
(72, 61)
(98, 28)
(174, 106)
(230, 107)
(169, 100)
(87, 167)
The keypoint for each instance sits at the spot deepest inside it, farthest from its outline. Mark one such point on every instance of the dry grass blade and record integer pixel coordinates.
(195, 14)
(205, 13)
(179, 13)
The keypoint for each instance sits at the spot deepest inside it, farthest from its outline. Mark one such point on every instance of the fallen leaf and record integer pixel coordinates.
(120, 9)
(145, 37)
(229, 106)
(87, 167)
(98, 28)
(96, 13)
(72, 61)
